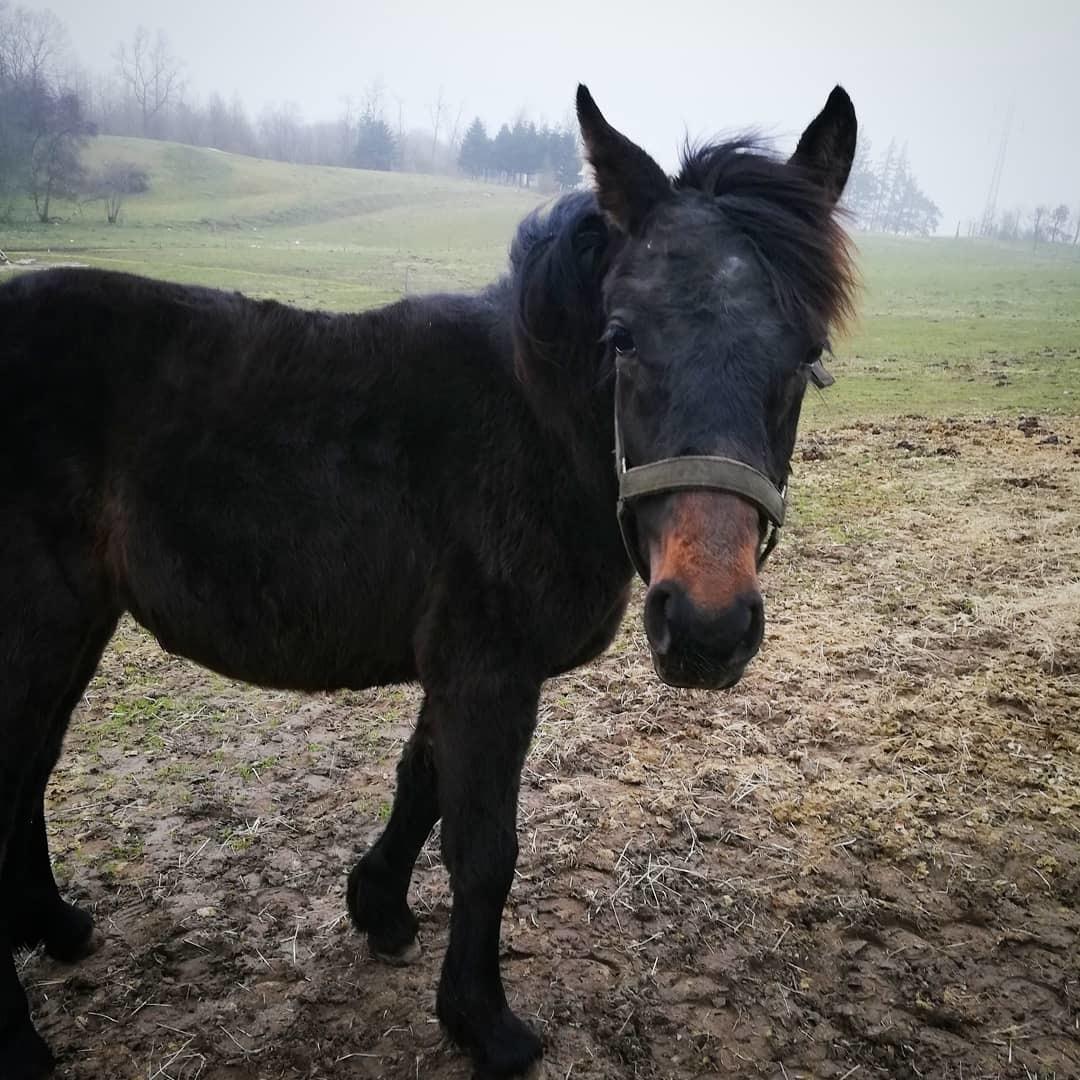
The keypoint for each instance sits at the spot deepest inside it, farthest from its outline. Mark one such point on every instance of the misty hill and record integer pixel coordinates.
(197, 185)
(268, 228)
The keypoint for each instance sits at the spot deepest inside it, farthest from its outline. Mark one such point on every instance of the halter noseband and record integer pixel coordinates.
(690, 473)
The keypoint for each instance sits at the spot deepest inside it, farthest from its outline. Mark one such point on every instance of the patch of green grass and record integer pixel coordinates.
(253, 770)
(127, 850)
(951, 327)
(177, 771)
(135, 722)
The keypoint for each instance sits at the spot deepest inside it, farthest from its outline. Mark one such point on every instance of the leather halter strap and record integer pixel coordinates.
(690, 473)
(717, 473)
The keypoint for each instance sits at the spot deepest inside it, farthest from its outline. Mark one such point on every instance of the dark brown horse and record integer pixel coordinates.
(422, 492)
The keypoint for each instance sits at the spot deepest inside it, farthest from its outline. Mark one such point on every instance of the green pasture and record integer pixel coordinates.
(946, 326)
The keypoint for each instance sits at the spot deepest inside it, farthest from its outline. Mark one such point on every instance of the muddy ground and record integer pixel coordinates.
(862, 862)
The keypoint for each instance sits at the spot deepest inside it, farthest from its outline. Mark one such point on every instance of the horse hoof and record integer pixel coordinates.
(72, 936)
(383, 914)
(503, 1047)
(79, 951)
(402, 958)
(65, 931)
(536, 1071)
(24, 1055)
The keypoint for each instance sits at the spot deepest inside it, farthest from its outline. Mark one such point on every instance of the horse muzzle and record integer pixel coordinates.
(704, 615)
(699, 647)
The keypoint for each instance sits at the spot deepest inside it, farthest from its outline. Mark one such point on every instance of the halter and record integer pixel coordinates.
(700, 472)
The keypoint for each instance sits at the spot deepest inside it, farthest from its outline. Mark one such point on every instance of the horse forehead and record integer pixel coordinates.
(732, 270)
(670, 267)
(692, 239)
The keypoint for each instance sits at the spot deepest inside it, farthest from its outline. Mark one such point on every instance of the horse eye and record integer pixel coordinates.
(622, 341)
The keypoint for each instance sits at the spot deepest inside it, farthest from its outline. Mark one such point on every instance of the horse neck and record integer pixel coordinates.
(574, 405)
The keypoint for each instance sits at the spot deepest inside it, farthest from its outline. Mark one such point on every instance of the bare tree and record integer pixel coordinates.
(151, 73)
(400, 120)
(280, 131)
(436, 111)
(55, 168)
(374, 100)
(1059, 219)
(1010, 224)
(1038, 216)
(455, 132)
(346, 130)
(117, 180)
(31, 45)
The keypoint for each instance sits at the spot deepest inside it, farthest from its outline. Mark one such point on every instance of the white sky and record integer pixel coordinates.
(939, 74)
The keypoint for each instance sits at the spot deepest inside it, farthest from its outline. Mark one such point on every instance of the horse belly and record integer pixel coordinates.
(307, 607)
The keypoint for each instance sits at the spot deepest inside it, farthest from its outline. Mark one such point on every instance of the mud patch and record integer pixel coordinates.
(864, 861)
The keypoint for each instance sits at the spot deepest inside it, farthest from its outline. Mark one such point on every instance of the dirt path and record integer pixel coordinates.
(864, 861)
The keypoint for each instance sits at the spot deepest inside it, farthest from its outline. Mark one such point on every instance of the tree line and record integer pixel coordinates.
(1045, 224)
(884, 195)
(518, 154)
(49, 107)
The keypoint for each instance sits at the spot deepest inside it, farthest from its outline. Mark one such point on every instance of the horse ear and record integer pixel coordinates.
(827, 147)
(628, 182)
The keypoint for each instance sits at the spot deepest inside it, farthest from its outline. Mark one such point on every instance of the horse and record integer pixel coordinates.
(452, 489)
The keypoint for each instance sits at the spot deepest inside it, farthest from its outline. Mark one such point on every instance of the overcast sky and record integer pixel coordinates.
(939, 75)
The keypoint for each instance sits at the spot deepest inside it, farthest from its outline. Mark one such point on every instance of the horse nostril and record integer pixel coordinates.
(658, 611)
(755, 630)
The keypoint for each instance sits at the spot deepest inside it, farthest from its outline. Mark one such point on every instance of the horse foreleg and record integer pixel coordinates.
(47, 639)
(36, 912)
(481, 740)
(379, 883)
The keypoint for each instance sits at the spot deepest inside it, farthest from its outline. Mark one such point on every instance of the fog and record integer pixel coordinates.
(940, 77)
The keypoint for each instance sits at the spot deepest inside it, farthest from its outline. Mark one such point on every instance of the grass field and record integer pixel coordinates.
(947, 326)
(862, 862)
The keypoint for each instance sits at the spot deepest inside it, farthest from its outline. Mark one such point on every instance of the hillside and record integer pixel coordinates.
(338, 238)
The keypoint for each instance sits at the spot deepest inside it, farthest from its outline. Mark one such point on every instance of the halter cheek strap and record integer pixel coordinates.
(690, 473)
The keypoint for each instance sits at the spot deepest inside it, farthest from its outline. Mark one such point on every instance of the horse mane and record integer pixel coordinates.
(785, 212)
(558, 260)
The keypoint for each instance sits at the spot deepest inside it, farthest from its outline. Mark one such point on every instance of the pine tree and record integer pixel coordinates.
(502, 154)
(860, 195)
(885, 178)
(376, 147)
(565, 159)
(476, 151)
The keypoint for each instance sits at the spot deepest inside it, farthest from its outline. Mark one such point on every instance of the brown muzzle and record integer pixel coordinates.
(703, 613)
